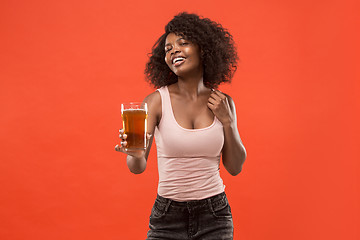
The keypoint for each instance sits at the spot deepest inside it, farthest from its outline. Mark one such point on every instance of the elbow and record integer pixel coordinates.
(137, 171)
(236, 169)
(136, 166)
(235, 172)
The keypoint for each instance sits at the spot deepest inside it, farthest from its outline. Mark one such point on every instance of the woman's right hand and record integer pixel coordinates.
(123, 143)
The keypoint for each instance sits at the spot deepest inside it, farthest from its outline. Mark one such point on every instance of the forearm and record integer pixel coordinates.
(136, 165)
(234, 153)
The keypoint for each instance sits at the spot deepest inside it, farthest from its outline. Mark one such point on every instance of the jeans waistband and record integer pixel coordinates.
(192, 203)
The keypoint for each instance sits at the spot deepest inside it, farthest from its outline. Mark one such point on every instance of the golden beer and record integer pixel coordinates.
(134, 116)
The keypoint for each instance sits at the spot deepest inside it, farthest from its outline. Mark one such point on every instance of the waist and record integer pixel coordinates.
(184, 185)
(192, 204)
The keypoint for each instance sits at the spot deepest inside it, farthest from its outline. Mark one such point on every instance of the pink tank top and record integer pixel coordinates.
(188, 159)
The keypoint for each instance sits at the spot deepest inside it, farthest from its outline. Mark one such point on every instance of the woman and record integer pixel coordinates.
(193, 125)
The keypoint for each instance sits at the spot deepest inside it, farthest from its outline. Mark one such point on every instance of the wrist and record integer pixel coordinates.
(229, 124)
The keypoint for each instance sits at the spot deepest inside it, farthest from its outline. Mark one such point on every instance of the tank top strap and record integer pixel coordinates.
(165, 102)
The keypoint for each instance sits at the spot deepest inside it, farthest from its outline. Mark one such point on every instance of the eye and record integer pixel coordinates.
(184, 43)
(167, 49)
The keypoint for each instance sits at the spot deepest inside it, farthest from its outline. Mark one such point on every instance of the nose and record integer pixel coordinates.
(175, 49)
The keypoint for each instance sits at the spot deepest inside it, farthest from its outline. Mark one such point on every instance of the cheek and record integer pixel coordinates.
(195, 53)
(196, 59)
(166, 61)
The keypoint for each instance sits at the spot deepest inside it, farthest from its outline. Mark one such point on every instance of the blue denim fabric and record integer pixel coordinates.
(207, 219)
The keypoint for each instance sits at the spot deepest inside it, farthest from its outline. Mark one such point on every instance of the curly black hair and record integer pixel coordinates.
(219, 55)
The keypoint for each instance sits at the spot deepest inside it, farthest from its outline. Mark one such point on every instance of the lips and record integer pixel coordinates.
(176, 61)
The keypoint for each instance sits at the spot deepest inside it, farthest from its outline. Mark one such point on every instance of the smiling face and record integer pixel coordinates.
(182, 56)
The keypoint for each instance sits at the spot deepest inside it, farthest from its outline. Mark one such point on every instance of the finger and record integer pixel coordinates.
(215, 97)
(212, 101)
(123, 136)
(120, 149)
(147, 141)
(215, 106)
(211, 106)
(117, 148)
(148, 135)
(220, 94)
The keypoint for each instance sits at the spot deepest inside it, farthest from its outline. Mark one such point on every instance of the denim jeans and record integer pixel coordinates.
(207, 219)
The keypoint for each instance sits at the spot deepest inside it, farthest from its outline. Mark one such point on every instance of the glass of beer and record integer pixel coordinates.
(134, 117)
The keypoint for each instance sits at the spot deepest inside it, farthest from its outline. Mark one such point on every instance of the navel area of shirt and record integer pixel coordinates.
(188, 159)
(185, 179)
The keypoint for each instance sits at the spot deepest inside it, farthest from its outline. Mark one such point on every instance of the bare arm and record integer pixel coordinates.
(136, 160)
(233, 152)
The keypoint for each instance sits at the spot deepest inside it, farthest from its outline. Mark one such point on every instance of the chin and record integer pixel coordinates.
(183, 72)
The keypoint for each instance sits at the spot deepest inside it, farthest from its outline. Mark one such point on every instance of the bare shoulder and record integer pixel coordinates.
(228, 97)
(153, 98)
(231, 102)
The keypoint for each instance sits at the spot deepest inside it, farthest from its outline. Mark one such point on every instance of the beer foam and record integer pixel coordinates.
(133, 109)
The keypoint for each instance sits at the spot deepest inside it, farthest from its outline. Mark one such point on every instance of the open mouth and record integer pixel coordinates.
(177, 61)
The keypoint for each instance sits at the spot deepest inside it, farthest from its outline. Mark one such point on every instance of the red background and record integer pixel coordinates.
(65, 67)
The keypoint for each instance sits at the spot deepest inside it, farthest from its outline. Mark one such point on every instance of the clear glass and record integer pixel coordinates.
(134, 118)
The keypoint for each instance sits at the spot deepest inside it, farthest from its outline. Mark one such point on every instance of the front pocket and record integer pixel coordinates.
(221, 209)
(158, 210)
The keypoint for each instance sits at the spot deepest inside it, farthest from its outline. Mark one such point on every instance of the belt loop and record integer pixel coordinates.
(168, 204)
(210, 205)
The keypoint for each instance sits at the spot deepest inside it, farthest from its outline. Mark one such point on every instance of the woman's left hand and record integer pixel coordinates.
(219, 105)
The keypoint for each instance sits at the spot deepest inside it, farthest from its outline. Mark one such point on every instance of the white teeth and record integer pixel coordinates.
(177, 59)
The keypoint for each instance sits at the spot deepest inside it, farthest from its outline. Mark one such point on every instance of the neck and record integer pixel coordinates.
(191, 87)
